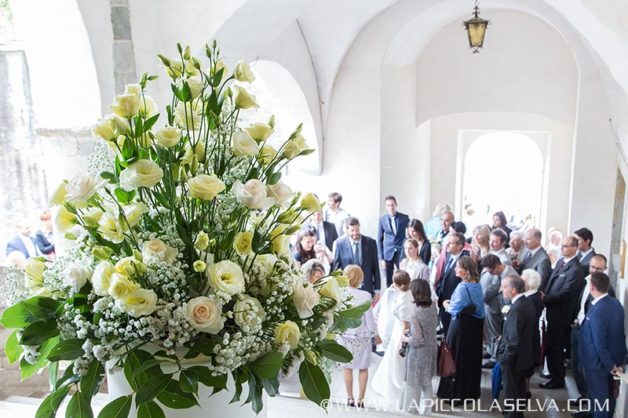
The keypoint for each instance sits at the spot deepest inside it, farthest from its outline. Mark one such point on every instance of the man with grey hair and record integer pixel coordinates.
(433, 225)
(536, 258)
(515, 352)
(517, 250)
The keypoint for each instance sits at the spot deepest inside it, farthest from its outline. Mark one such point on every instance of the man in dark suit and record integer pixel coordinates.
(536, 258)
(326, 231)
(391, 233)
(22, 241)
(355, 248)
(515, 350)
(585, 251)
(561, 299)
(447, 282)
(602, 345)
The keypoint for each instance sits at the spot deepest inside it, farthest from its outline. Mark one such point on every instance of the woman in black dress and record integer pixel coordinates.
(465, 335)
(416, 231)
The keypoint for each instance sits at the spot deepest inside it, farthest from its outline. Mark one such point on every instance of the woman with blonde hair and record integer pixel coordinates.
(480, 242)
(358, 340)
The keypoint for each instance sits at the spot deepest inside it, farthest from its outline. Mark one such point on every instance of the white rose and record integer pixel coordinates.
(138, 303)
(252, 194)
(80, 189)
(242, 72)
(121, 286)
(244, 145)
(100, 278)
(205, 187)
(156, 248)
(281, 194)
(168, 136)
(76, 275)
(226, 276)
(134, 212)
(248, 312)
(205, 315)
(110, 228)
(142, 173)
(305, 298)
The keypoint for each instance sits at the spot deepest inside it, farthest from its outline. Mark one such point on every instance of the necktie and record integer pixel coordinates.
(393, 225)
(356, 254)
(587, 304)
(449, 264)
(579, 256)
(527, 258)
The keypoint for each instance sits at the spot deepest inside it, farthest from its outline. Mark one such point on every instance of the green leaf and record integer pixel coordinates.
(239, 377)
(79, 407)
(27, 369)
(152, 388)
(111, 177)
(50, 405)
(145, 366)
(26, 312)
(314, 384)
(53, 373)
(273, 178)
(188, 382)
(92, 379)
(38, 332)
(118, 408)
(205, 377)
(66, 350)
(271, 386)
(150, 410)
(148, 123)
(355, 312)
(68, 378)
(173, 397)
(267, 366)
(255, 394)
(123, 196)
(134, 360)
(334, 351)
(12, 348)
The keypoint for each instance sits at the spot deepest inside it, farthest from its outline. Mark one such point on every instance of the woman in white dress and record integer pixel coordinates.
(389, 377)
(412, 263)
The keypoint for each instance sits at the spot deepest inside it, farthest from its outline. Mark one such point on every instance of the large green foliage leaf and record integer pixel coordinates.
(79, 407)
(314, 384)
(334, 351)
(173, 397)
(27, 369)
(26, 312)
(152, 388)
(12, 348)
(66, 350)
(150, 410)
(50, 405)
(92, 379)
(38, 332)
(118, 408)
(267, 366)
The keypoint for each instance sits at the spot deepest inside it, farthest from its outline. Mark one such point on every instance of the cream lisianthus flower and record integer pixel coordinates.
(157, 249)
(148, 107)
(202, 241)
(199, 266)
(101, 277)
(91, 216)
(243, 145)
(294, 147)
(134, 212)
(252, 194)
(259, 131)
(242, 72)
(188, 115)
(279, 241)
(65, 220)
(80, 189)
(205, 315)
(226, 276)
(134, 88)
(105, 129)
(130, 267)
(58, 196)
(243, 242)
(34, 272)
(244, 99)
(267, 154)
(281, 194)
(220, 65)
(138, 303)
(331, 289)
(248, 311)
(76, 275)
(168, 136)
(121, 286)
(126, 105)
(142, 173)
(310, 203)
(196, 86)
(287, 333)
(305, 298)
(205, 187)
(110, 228)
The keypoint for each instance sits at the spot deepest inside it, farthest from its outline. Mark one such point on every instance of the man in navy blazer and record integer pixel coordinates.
(391, 235)
(355, 248)
(23, 242)
(602, 345)
(446, 283)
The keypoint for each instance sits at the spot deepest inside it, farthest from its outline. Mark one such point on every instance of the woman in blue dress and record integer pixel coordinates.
(464, 337)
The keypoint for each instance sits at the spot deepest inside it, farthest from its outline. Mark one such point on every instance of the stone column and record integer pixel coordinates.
(123, 55)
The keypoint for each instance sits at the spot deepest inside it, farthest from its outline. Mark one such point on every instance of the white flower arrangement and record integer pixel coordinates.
(181, 243)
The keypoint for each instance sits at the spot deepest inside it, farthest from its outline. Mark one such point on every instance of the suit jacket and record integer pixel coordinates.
(541, 263)
(43, 244)
(585, 261)
(370, 265)
(387, 241)
(16, 244)
(491, 285)
(602, 337)
(562, 291)
(516, 344)
(425, 253)
(447, 283)
(535, 298)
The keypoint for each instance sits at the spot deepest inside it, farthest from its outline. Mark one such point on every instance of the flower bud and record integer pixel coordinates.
(202, 241)
(102, 253)
(199, 266)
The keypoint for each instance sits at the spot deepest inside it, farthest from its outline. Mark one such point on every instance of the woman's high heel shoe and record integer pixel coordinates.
(350, 402)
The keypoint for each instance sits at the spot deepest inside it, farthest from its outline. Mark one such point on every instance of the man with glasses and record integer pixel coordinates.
(560, 297)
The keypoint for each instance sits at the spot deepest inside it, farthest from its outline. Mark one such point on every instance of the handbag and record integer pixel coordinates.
(445, 365)
(469, 309)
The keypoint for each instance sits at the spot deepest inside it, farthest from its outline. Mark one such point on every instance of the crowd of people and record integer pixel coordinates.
(498, 298)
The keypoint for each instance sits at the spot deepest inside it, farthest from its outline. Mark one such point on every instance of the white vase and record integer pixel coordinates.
(215, 406)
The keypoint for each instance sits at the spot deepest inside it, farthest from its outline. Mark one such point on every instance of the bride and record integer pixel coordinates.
(389, 377)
